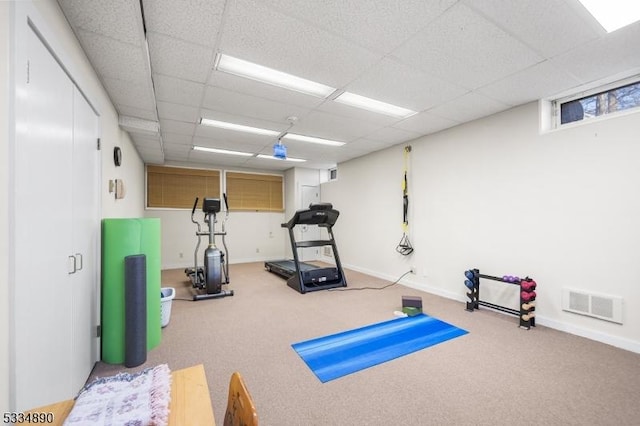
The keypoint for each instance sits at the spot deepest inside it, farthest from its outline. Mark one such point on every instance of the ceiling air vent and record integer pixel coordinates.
(605, 307)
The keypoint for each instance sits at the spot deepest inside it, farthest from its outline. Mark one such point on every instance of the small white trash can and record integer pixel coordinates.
(167, 295)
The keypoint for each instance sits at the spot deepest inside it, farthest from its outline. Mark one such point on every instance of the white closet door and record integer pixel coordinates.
(85, 239)
(43, 244)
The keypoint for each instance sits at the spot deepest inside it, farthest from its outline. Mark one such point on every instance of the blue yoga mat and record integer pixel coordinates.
(337, 355)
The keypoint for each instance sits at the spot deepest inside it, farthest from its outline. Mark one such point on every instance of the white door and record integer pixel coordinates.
(310, 194)
(56, 232)
(85, 239)
(43, 243)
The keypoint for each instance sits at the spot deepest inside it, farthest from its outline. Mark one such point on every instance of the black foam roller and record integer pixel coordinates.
(135, 310)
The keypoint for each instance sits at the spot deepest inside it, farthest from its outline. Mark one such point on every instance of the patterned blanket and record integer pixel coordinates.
(139, 399)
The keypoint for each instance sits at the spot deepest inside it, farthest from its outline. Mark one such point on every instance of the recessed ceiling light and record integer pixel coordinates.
(613, 14)
(311, 139)
(271, 157)
(358, 101)
(222, 151)
(238, 127)
(263, 74)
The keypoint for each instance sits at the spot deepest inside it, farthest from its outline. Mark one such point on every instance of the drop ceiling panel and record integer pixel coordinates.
(549, 27)
(177, 58)
(177, 90)
(256, 33)
(119, 19)
(213, 133)
(195, 21)
(425, 123)
(108, 55)
(263, 90)
(379, 25)
(178, 112)
(541, 80)
(227, 101)
(126, 110)
(179, 127)
(243, 120)
(358, 114)
(329, 126)
(399, 84)
(391, 136)
(464, 48)
(250, 146)
(614, 54)
(176, 139)
(135, 94)
(469, 107)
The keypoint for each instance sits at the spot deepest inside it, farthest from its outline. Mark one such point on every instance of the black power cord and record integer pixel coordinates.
(370, 288)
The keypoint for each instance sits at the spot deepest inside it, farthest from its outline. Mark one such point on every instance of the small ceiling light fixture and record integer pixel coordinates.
(613, 14)
(221, 151)
(260, 73)
(238, 127)
(270, 157)
(311, 139)
(358, 101)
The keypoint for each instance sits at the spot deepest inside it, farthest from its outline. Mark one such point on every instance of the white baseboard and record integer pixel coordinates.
(619, 342)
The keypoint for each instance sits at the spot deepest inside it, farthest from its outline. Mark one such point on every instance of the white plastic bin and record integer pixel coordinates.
(167, 295)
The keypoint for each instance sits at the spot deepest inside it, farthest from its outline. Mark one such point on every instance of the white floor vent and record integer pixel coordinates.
(606, 307)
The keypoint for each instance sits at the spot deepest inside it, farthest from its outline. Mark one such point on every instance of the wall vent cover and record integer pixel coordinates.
(606, 307)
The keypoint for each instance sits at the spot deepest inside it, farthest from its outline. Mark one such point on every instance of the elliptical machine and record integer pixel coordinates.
(215, 272)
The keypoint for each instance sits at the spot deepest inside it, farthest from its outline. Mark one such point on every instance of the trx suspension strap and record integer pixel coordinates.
(404, 246)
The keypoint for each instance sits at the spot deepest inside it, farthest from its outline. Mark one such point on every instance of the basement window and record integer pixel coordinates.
(603, 101)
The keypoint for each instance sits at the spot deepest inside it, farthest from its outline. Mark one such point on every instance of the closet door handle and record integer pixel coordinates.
(79, 255)
(73, 263)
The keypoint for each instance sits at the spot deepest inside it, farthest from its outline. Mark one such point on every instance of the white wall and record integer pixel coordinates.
(251, 236)
(4, 202)
(496, 195)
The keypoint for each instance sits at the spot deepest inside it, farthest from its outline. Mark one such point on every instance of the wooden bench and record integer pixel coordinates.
(190, 401)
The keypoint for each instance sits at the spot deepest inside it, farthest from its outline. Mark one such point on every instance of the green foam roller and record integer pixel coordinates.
(122, 238)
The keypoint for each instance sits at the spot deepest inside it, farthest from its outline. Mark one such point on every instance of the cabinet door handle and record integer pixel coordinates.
(79, 255)
(73, 263)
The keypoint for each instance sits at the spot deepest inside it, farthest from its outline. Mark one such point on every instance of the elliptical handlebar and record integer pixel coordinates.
(193, 211)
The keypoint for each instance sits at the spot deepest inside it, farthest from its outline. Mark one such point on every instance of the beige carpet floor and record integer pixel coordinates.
(498, 374)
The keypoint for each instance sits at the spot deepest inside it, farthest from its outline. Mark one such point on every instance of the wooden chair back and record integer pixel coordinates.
(240, 408)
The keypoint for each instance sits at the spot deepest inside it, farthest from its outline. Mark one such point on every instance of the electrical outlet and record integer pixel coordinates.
(257, 250)
(181, 255)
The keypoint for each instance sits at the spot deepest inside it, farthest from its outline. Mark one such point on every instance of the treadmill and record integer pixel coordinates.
(304, 277)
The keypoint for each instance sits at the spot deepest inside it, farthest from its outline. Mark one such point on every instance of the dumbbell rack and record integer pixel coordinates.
(526, 313)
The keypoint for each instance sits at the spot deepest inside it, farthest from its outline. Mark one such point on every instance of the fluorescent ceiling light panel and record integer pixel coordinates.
(311, 139)
(358, 101)
(271, 157)
(238, 127)
(613, 14)
(222, 151)
(263, 74)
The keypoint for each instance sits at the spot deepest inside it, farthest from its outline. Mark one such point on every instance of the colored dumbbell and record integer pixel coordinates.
(529, 305)
(468, 284)
(469, 274)
(528, 316)
(527, 296)
(528, 285)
